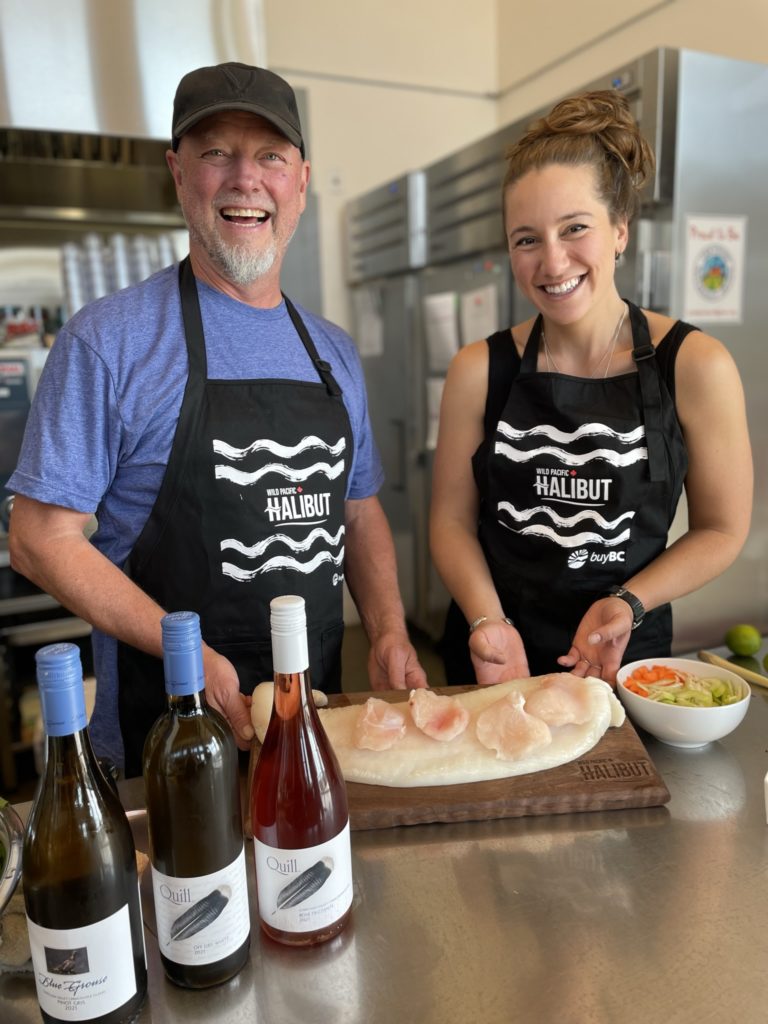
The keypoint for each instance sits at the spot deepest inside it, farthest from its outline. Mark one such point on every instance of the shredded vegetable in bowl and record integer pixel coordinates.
(672, 686)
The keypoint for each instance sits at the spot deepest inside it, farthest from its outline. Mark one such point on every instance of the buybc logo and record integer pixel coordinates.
(578, 559)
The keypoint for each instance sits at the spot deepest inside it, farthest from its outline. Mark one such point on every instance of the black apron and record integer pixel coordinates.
(251, 507)
(579, 479)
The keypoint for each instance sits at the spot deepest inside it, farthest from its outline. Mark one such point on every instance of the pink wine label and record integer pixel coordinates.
(304, 890)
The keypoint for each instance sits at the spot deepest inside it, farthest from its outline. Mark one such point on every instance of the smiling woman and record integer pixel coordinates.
(565, 441)
(564, 261)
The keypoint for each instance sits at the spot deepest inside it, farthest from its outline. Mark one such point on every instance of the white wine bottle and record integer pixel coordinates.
(79, 866)
(192, 786)
(299, 802)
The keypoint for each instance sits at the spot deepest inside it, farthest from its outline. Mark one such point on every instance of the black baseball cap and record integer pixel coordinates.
(235, 86)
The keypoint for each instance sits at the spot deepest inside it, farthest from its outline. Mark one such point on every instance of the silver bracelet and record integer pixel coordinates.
(484, 618)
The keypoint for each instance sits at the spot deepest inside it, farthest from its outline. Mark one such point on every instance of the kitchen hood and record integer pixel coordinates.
(112, 66)
(86, 93)
(56, 186)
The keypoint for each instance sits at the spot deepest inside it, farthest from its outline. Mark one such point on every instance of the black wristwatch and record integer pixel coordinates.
(638, 609)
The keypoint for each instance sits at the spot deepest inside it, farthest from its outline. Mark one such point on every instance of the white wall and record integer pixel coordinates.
(393, 87)
(736, 29)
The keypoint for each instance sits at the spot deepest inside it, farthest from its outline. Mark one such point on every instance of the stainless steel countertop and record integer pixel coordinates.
(616, 917)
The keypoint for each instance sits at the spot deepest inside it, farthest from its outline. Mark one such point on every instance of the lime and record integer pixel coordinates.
(743, 639)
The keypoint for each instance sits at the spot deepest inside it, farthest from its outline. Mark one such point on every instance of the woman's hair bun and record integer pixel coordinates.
(595, 128)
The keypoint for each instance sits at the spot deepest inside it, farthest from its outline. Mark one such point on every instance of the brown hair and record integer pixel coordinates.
(594, 128)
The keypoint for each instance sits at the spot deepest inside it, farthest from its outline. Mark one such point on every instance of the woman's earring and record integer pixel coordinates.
(617, 256)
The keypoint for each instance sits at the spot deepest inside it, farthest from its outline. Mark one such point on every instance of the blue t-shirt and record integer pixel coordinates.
(102, 422)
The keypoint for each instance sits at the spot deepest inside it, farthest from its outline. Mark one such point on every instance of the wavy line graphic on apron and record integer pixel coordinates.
(544, 521)
(571, 459)
(301, 509)
(283, 561)
(280, 450)
(585, 430)
(238, 476)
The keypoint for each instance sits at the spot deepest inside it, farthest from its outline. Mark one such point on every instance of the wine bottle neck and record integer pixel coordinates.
(187, 703)
(184, 674)
(292, 693)
(290, 653)
(70, 755)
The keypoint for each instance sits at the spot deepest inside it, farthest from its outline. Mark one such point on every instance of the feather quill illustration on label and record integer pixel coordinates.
(200, 915)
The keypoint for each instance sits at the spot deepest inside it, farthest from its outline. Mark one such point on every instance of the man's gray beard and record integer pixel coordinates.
(238, 263)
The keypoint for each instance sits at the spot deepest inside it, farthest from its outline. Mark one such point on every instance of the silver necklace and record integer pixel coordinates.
(605, 358)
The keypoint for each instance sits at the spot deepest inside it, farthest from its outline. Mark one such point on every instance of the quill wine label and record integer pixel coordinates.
(195, 827)
(299, 802)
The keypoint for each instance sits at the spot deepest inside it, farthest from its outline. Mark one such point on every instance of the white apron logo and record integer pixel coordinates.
(302, 540)
(290, 504)
(566, 485)
(577, 559)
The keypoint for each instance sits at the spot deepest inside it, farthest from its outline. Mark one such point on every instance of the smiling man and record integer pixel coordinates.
(219, 433)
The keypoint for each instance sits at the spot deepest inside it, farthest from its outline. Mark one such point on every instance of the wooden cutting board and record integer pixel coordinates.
(616, 773)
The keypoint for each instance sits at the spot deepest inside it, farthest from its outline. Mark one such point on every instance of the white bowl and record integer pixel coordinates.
(677, 725)
(11, 841)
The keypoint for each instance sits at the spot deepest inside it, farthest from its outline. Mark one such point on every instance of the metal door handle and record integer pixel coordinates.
(399, 427)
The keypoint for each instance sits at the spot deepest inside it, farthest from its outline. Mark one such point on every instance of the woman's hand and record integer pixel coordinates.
(497, 653)
(600, 640)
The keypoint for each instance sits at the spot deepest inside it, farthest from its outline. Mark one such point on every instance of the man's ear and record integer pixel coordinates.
(305, 175)
(174, 166)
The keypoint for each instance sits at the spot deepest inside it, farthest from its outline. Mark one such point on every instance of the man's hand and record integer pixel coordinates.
(600, 640)
(222, 691)
(497, 653)
(394, 665)
(371, 575)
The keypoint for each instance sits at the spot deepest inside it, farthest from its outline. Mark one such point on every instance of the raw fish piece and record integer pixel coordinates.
(379, 725)
(561, 699)
(509, 730)
(417, 760)
(442, 718)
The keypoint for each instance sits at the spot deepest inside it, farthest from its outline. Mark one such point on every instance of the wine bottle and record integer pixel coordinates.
(192, 786)
(299, 802)
(80, 880)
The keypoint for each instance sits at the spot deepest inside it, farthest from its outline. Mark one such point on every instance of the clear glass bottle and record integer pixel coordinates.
(80, 880)
(192, 786)
(299, 802)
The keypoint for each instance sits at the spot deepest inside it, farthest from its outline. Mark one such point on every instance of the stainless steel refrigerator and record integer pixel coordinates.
(465, 293)
(385, 245)
(408, 321)
(698, 250)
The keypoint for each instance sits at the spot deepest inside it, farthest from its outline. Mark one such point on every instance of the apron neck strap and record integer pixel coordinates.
(322, 367)
(195, 337)
(193, 321)
(531, 350)
(644, 355)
